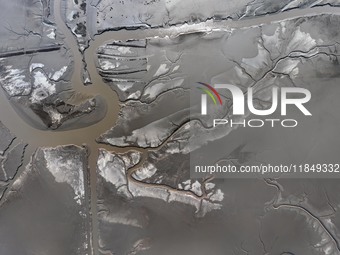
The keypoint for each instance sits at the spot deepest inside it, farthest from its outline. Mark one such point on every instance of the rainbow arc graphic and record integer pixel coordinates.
(212, 93)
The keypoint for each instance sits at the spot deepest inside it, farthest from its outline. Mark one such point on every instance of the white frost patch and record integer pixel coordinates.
(207, 206)
(209, 185)
(196, 188)
(187, 185)
(140, 245)
(124, 50)
(120, 218)
(135, 95)
(325, 245)
(283, 26)
(288, 66)
(143, 190)
(70, 15)
(21, 179)
(124, 85)
(112, 168)
(77, 35)
(55, 116)
(150, 135)
(51, 34)
(58, 74)
(87, 80)
(66, 170)
(50, 31)
(293, 4)
(294, 72)
(131, 159)
(173, 148)
(161, 70)
(145, 172)
(135, 156)
(108, 65)
(185, 198)
(153, 91)
(115, 50)
(13, 81)
(239, 71)
(202, 206)
(301, 41)
(324, 240)
(175, 68)
(328, 250)
(42, 87)
(217, 196)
